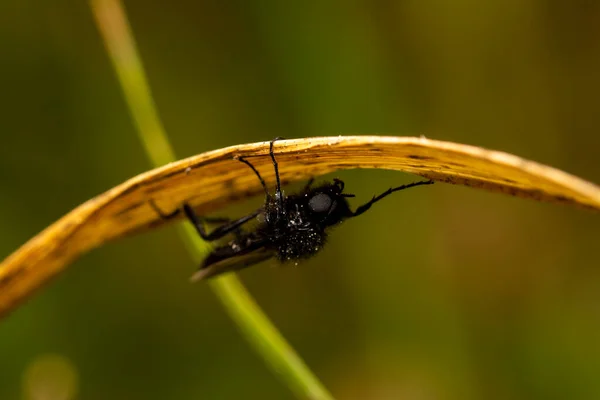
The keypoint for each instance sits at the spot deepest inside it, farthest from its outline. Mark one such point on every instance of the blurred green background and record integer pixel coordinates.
(439, 293)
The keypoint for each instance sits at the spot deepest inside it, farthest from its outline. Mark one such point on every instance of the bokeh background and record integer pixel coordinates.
(438, 293)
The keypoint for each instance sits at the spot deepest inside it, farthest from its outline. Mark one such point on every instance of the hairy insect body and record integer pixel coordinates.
(290, 228)
(299, 230)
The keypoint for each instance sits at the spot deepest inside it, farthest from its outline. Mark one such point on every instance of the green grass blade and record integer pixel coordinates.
(256, 327)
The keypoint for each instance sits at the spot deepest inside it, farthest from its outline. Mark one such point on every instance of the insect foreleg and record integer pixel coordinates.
(375, 199)
(220, 231)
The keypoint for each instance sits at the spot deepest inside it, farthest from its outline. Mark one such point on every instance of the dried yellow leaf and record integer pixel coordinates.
(212, 180)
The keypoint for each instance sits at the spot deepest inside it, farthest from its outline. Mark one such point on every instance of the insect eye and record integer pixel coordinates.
(320, 202)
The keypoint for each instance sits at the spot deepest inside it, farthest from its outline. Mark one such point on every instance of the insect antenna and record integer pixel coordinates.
(278, 194)
(375, 199)
(262, 181)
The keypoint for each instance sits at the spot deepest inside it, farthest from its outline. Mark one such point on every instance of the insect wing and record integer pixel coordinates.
(231, 262)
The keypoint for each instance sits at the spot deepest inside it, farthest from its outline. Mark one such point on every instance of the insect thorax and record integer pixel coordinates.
(292, 231)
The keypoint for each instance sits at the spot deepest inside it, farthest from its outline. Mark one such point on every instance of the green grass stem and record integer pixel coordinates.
(239, 304)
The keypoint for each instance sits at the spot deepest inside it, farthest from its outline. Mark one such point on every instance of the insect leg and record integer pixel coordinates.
(375, 199)
(340, 184)
(222, 230)
(172, 214)
(222, 220)
(165, 216)
(215, 220)
(308, 184)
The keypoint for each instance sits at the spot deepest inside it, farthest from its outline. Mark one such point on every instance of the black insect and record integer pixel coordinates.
(291, 228)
